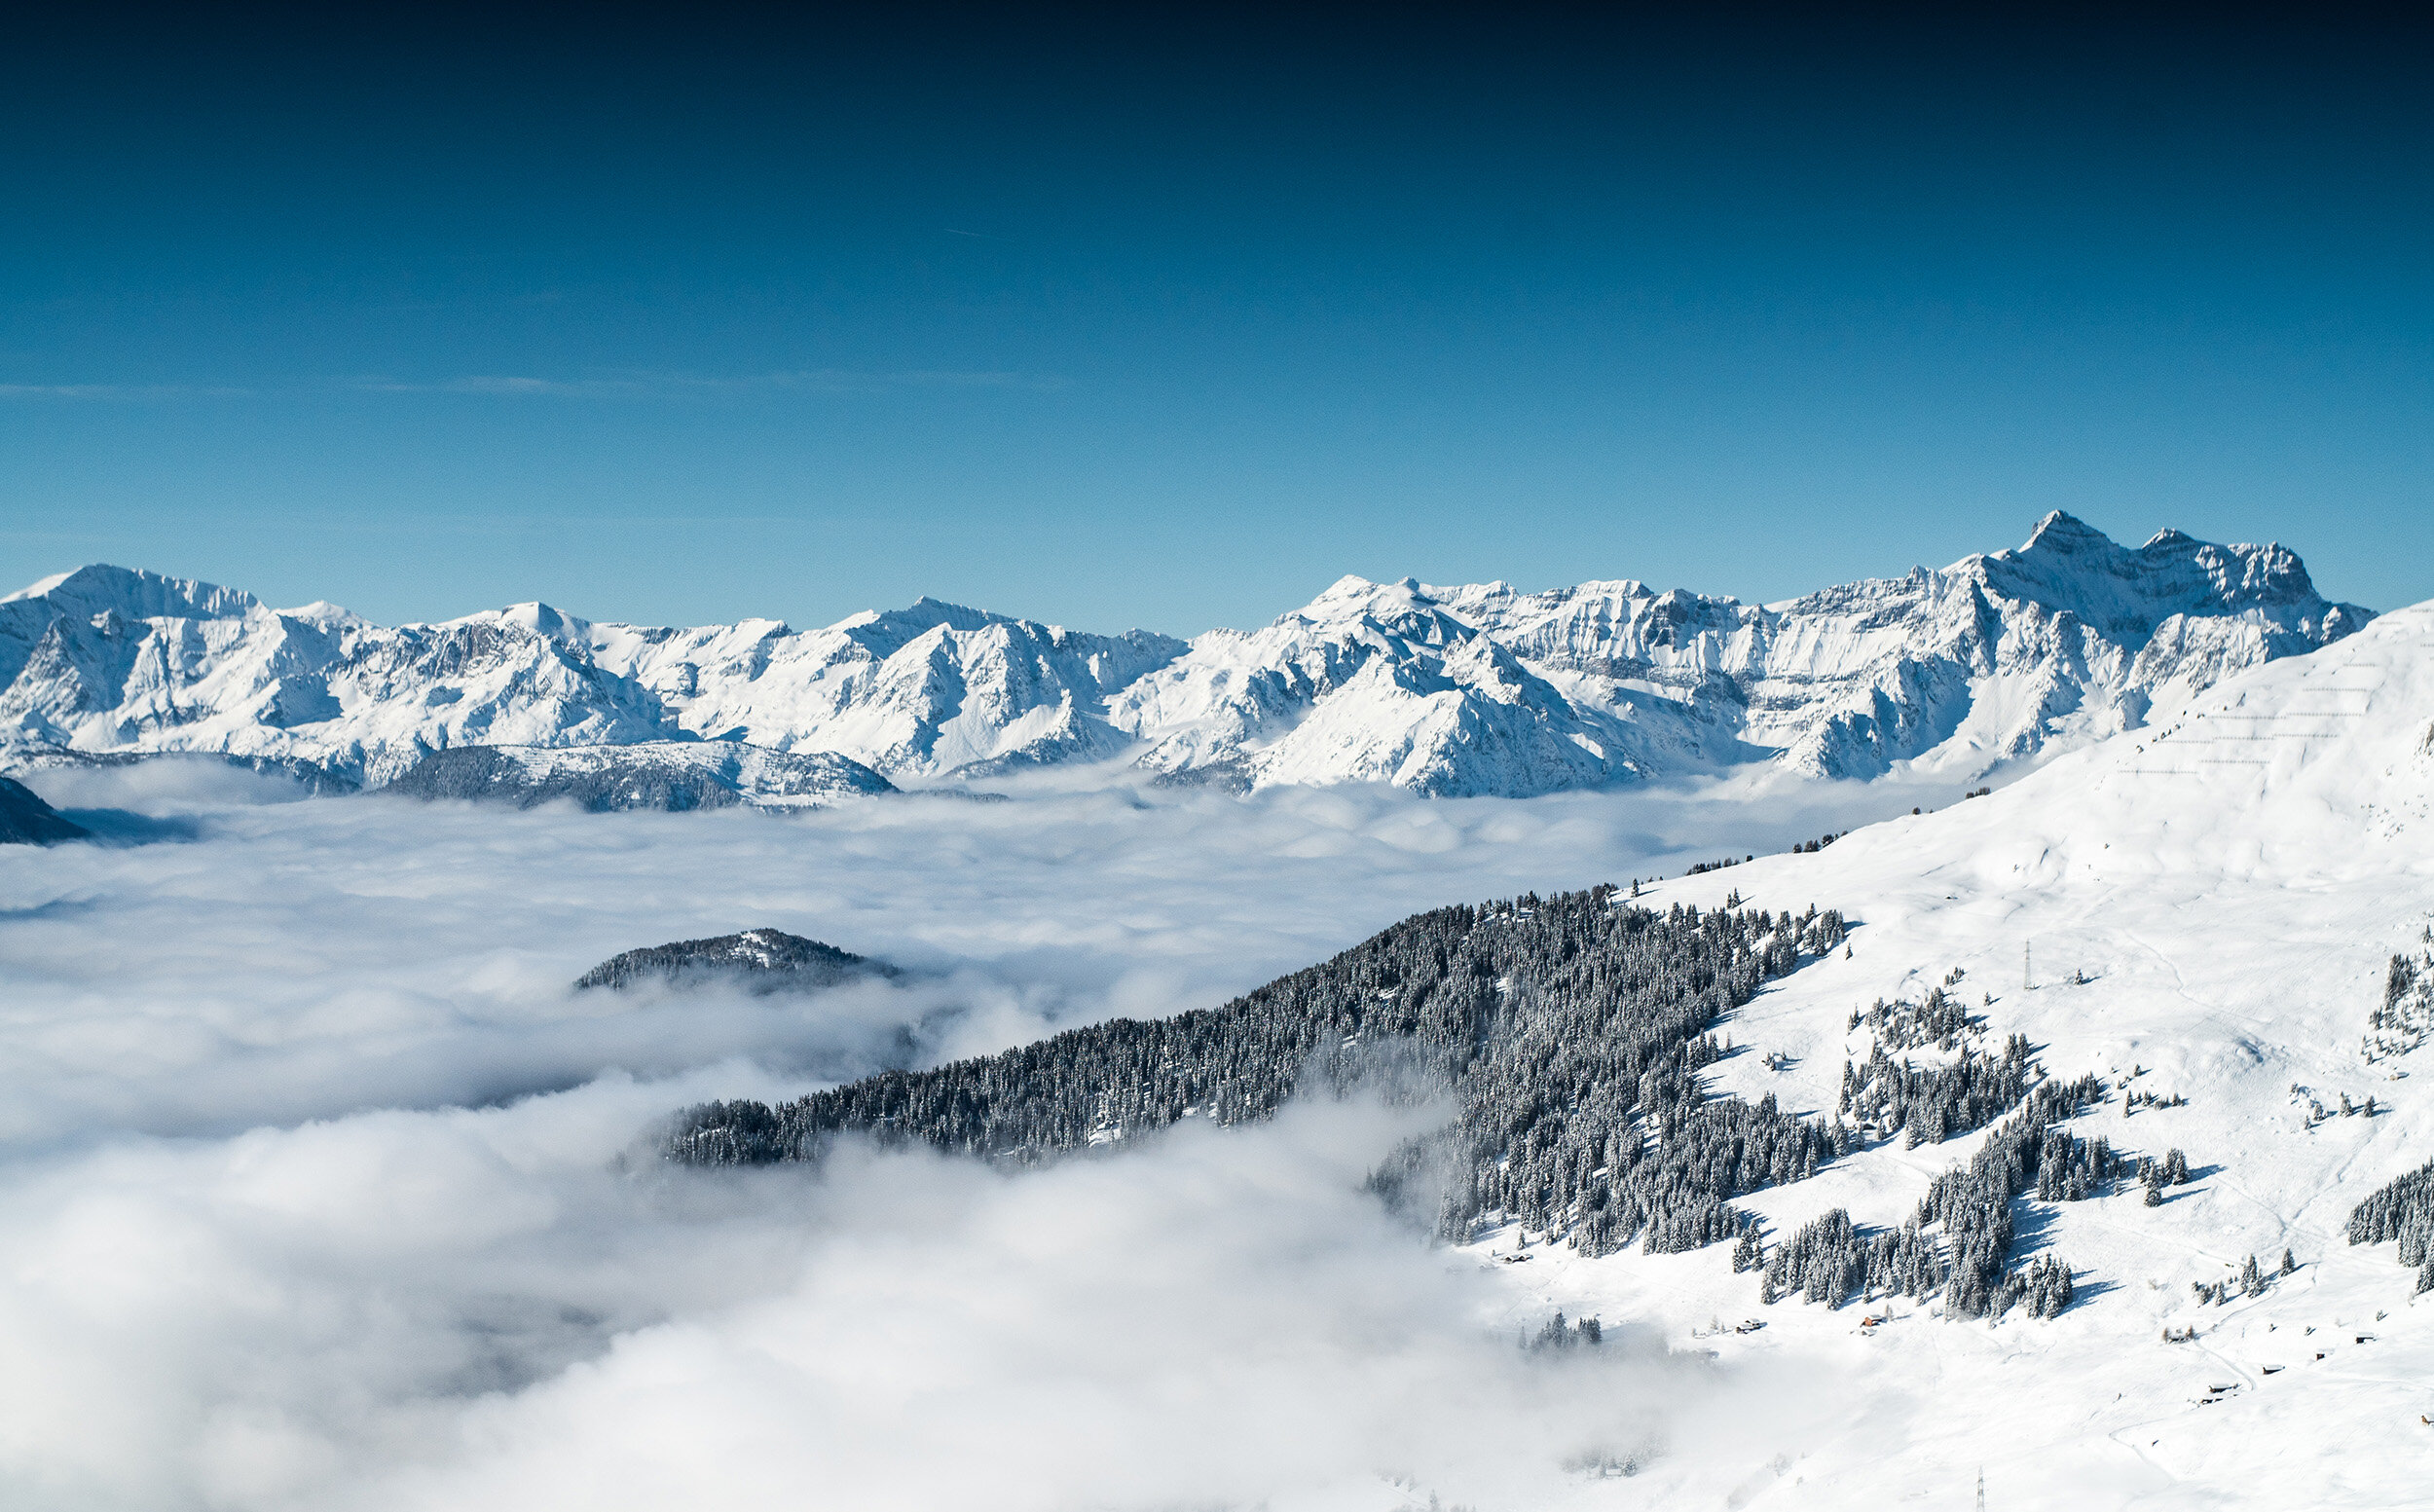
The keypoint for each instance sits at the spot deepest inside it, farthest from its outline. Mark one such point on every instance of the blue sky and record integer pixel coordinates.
(1117, 321)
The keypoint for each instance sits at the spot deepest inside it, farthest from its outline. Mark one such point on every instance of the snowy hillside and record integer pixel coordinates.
(2204, 918)
(2200, 922)
(303, 1086)
(1447, 691)
(1484, 689)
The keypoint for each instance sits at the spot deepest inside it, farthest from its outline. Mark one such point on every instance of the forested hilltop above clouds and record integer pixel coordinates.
(1460, 691)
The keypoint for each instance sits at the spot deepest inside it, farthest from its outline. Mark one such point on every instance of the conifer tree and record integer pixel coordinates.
(1746, 1253)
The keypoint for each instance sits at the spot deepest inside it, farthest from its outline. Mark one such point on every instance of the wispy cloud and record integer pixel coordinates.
(626, 384)
(617, 384)
(122, 391)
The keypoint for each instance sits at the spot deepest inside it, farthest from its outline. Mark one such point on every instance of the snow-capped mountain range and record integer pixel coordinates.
(1470, 690)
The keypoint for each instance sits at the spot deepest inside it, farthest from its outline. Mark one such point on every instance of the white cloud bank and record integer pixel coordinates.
(311, 1193)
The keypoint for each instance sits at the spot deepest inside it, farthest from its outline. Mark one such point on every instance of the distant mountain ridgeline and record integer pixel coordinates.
(1448, 691)
(673, 776)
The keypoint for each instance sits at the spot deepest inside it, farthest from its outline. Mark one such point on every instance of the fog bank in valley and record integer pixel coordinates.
(323, 1188)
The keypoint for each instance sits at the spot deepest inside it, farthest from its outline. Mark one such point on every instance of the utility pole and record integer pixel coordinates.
(1982, 1489)
(2025, 982)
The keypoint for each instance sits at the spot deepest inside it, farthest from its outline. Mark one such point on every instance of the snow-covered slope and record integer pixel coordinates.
(923, 691)
(104, 659)
(2204, 912)
(1483, 689)
(1453, 691)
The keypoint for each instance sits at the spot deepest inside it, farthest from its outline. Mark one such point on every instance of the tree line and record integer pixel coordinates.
(1574, 1031)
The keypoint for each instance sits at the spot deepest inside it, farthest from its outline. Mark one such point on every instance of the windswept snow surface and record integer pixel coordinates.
(1448, 691)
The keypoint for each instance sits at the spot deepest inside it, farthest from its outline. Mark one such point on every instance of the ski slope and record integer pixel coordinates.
(2230, 889)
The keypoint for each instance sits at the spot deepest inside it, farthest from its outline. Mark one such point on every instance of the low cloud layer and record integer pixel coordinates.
(322, 1188)
(477, 1309)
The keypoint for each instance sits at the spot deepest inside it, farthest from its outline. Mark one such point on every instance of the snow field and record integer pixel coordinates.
(2233, 921)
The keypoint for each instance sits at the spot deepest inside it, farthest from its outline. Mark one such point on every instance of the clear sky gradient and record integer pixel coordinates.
(1170, 318)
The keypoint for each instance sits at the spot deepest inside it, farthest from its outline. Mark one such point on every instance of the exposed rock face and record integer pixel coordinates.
(27, 820)
(669, 775)
(310, 777)
(1453, 691)
(764, 960)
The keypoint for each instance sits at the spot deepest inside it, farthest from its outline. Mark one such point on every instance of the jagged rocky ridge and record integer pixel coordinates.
(27, 820)
(310, 778)
(660, 774)
(104, 659)
(1572, 1031)
(762, 960)
(1448, 691)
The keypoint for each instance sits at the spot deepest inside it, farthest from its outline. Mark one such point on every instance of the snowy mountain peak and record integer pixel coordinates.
(536, 617)
(2130, 592)
(1998, 658)
(1351, 587)
(324, 614)
(2062, 530)
(100, 588)
(885, 632)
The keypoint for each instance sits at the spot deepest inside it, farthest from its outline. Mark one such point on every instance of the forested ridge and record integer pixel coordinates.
(1572, 1031)
(761, 960)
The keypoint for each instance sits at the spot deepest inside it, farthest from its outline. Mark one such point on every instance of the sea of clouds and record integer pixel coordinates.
(319, 1187)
